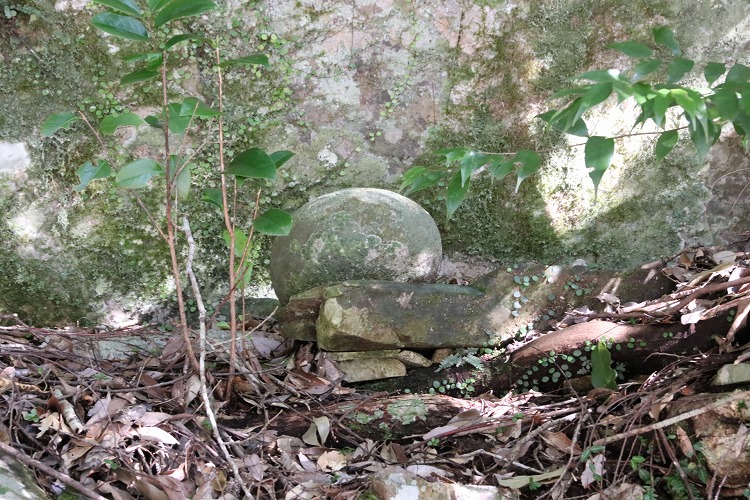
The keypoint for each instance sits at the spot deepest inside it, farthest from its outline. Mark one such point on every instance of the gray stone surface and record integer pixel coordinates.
(14, 158)
(359, 91)
(372, 315)
(383, 315)
(356, 233)
(17, 481)
(362, 370)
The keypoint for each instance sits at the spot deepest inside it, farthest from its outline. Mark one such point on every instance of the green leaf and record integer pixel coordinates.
(124, 6)
(412, 174)
(183, 183)
(156, 5)
(600, 75)
(665, 143)
(140, 75)
(602, 373)
(664, 36)
(260, 59)
(662, 102)
(136, 174)
(178, 124)
(642, 92)
(580, 90)
(578, 128)
(597, 94)
(153, 121)
(726, 103)
(467, 168)
(452, 154)
(192, 106)
(153, 59)
(598, 154)
(529, 161)
(500, 167)
(110, 123)
(177, 9)
(470, 163)
(56, 122)
(632, 49)
(713, 71)
(645, 68)
(184, 179)
(240, 242)
(181, 38)
(702, 140)
(419, 178)
(739, 73)
(213, 196)
(253, 163)
(623, 89)
(456, 192)
(273, 222)
(686, 102)
(88, 172)
(741, 124)
(246, 274)
(678, 68)
(281, 157)
(647, 111)
(122, 26)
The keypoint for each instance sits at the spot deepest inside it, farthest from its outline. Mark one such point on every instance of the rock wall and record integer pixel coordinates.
(360, 91)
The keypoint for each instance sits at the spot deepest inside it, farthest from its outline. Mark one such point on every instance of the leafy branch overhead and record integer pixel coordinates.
(128, 20)
(652, 82)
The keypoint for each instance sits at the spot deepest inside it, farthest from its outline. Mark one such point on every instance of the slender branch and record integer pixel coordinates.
(170, 221)
(228, 223)
(249, 239)
(687, 294)
(238, 279)
(202, 360)
(736, 396)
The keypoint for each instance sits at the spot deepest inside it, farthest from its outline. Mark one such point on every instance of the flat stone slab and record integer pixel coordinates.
(372, 315)
(369, 315)
(363, 370)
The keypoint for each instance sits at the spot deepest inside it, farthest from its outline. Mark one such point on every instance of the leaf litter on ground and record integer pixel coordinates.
(132, 426)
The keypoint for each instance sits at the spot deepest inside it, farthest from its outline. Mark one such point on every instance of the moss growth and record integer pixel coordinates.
(111, 251)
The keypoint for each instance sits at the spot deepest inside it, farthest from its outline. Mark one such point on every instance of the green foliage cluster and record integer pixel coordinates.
(129, 21)
(653, 83)
(154, 30)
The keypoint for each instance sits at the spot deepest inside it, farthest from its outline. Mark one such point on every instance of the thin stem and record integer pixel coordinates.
(234, 284)
(228, 224)
(202, 360)
(170, 221)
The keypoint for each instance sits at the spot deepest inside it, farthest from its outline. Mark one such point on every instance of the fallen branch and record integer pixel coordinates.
(673, 420)
(202, 359)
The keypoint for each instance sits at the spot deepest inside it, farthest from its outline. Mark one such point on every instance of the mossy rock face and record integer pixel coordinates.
(356, 233)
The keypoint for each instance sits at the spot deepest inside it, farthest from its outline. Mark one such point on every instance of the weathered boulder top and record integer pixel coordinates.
(354, 234)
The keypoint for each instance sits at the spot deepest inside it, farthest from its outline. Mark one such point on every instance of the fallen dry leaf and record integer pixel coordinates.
(332, 461)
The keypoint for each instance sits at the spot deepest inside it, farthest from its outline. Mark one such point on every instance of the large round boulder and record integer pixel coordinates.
(358, 233)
